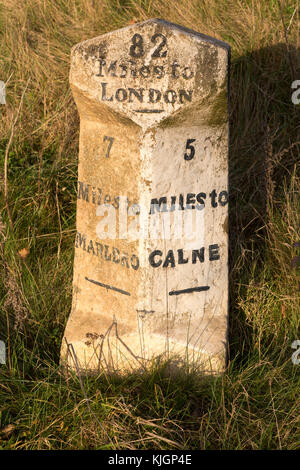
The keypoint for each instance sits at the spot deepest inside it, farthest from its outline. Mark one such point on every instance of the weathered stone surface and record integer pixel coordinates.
(152, 99)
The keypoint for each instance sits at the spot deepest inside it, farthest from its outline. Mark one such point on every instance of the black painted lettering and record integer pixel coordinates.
(135, 262)
(93, 195)
(173, 202)
(153, 263)
(110, 140)
(198, 255)
(121, 95)
(136, 49)
(223, 198)
(91, 247)
(158, 205)
(103, 96)
(124, 260)
(158, 51)
(181, 204)
(139, 94)
(213, 196)
(83, 191)
(154, 95)
(80, 241)
(133, 68)
(158, 71)
(170, 96)
(213, 252)
(101, 65)
(112, 69)
(124, 70)
(99, 249)
(187, 95)
(181, 259)
(106, 256)
(188, 146)
(116, 253)
(190, 199)
(187, 73)
(145, 71)
(99, 196)
(200, 198)
(170, 260)
(116, 203)
(174, 66)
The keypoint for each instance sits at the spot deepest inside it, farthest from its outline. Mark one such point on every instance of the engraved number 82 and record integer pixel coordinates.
(137, 47)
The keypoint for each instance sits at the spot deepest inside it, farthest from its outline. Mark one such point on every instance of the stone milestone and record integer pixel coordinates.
(151, 248)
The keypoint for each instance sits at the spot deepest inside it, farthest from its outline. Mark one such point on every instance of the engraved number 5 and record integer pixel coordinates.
(191, 148)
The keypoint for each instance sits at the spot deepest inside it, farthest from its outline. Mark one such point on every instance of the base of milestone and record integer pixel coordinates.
(117, 355)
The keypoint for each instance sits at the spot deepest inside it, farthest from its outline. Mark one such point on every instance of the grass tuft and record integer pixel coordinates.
(255, 404)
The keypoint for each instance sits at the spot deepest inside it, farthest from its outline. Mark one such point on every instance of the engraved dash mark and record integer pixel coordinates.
(188, 291)
(149, 110)
(106, 286)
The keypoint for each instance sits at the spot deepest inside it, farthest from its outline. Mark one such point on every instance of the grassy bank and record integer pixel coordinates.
(255, 404)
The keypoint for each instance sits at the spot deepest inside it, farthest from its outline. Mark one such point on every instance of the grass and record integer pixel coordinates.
(255, 404)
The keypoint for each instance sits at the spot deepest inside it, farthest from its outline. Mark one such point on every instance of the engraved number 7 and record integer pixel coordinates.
(110, 139)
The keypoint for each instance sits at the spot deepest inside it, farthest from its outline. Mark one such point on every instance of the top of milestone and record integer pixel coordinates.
(148, 71)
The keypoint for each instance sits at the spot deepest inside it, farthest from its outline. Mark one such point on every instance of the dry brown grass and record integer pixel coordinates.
(255, 405)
